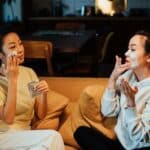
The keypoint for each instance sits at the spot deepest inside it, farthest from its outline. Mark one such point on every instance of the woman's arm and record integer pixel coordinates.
(110, 103)
(137, 118)
(7, 112)
(110, 100)
(41, 100)
(138, 123)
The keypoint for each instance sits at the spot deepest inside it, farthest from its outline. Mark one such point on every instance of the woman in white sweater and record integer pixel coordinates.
(17, 106)
(127, 97)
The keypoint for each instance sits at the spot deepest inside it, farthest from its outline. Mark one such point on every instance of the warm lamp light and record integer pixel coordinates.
(110, 7)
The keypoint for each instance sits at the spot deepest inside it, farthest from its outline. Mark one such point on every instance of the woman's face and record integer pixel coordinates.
(136, 55)
(13, 45)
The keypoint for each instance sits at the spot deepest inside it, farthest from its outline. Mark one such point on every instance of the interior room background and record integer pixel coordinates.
(52, 8)
(40, 18)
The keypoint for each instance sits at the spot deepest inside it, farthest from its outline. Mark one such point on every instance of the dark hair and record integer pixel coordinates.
(2, 35)
(1, 43)
(147, 42)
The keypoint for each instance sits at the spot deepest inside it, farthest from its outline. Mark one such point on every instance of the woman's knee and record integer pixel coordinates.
(81, 132)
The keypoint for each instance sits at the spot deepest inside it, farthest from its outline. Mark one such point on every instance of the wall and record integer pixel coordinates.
(41, 9)
(138, 4)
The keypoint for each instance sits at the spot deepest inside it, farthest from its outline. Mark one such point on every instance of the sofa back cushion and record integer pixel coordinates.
(87, 112)
(72, 87)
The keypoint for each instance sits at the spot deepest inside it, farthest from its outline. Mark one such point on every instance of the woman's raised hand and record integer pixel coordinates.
(11, 68)
(117, 71)
(119, 68)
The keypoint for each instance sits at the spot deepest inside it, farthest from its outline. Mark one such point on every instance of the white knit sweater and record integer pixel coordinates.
(133, 125)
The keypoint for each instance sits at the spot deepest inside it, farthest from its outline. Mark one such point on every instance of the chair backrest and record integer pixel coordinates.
(103, 45)
(39, 50)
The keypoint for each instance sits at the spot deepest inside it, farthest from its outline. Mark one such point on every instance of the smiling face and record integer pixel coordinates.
(136, 55)
(12, 45)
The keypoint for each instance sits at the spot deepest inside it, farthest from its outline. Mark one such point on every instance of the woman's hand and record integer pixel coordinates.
(10, 69)
(119, 68)
(41, 100)
(42, 87)
(129, 92)
(117, 71)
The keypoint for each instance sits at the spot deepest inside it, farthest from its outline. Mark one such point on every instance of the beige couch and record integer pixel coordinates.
(79, 94)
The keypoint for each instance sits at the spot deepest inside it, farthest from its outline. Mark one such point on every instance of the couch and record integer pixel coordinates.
(80, 105)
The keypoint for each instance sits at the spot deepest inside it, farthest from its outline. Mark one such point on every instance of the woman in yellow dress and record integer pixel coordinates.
(17, 106)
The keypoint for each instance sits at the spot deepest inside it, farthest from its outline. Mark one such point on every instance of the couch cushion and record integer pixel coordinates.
(87, 113)
(56, 105)
(67, 112)
(67, 147)
(90, 104)
(72, 86)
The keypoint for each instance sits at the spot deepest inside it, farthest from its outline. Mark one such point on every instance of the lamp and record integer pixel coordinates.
(110, 7)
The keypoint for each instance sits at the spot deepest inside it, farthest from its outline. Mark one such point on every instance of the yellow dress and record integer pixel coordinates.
(18, 135)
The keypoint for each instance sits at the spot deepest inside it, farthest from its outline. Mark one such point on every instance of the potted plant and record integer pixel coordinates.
(9, 2)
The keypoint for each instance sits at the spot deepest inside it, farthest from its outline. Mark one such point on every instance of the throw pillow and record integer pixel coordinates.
(90, 110)
(56, 105)
(87, 113)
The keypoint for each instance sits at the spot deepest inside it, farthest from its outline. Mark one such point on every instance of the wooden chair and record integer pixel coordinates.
(104, 67)
(39, 50)
(104, 42)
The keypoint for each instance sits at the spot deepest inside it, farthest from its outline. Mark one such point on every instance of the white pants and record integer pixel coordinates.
(31, 140)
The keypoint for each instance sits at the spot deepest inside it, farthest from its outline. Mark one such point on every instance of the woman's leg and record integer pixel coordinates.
(89, 139)
(53, 141)
(145, 148)
(32, 140)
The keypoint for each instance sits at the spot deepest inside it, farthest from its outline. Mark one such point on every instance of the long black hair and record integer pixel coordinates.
(2, 35)
(147, 42)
